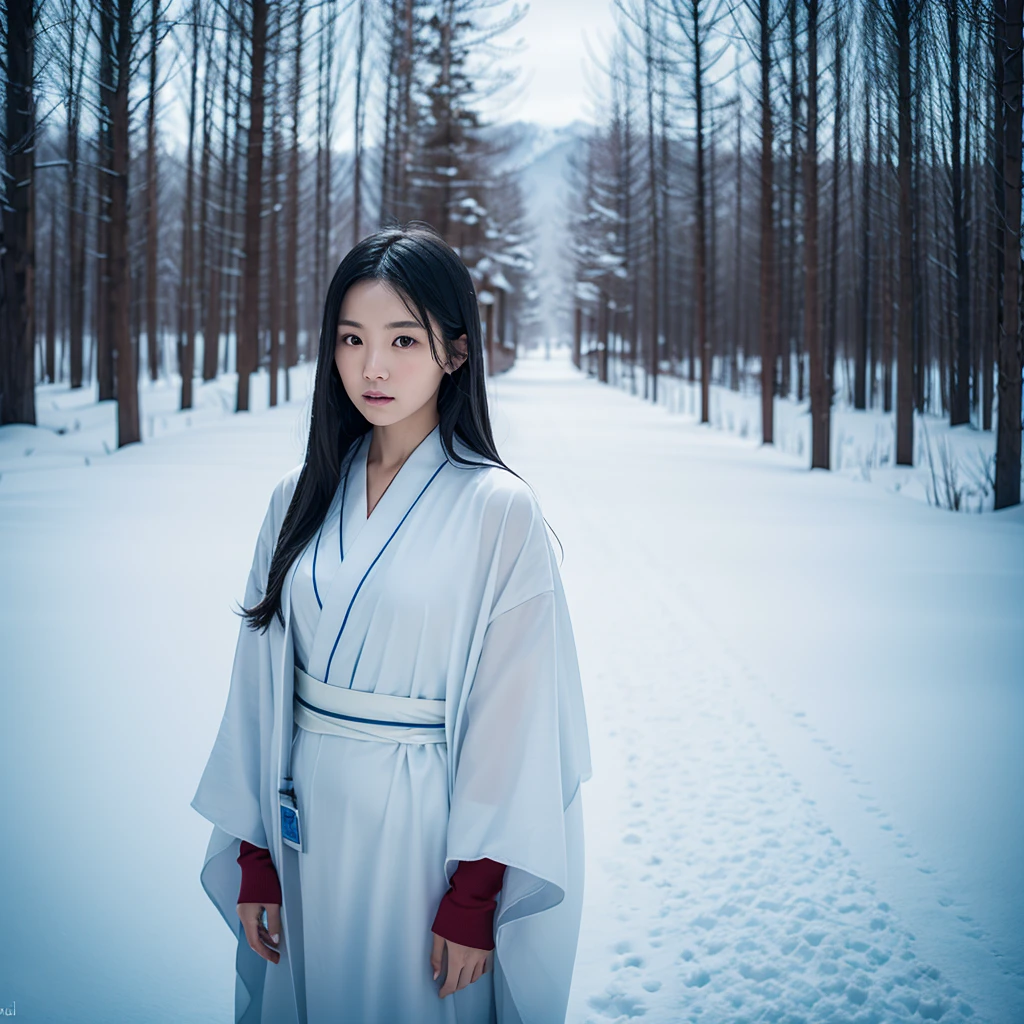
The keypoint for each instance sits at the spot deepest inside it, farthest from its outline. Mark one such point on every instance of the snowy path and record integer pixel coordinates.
(804, 701)
(740, 868)
(734, 897)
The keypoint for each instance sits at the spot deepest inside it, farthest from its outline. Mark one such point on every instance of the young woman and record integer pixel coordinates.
(396, 778)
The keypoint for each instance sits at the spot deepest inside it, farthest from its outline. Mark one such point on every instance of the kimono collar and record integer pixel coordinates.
(366, 539)
(411, 475)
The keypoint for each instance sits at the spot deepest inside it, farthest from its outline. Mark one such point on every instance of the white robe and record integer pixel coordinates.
(449, 590)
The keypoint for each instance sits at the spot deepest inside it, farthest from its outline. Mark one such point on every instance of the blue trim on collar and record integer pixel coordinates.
(327, 671)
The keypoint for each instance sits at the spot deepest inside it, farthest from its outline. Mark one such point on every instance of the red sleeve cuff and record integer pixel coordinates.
(466, 912)
(260, 883)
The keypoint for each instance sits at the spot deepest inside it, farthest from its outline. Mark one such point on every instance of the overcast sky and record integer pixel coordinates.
(552, 87)
(565, 41)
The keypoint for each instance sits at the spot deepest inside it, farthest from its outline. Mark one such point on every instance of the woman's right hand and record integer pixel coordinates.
(262, 939)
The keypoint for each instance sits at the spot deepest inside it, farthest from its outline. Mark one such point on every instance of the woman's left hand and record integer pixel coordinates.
(465, 964)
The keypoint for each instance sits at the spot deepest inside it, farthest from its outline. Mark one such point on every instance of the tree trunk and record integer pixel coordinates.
(793, 333)
(905, 321)
(233, 269)
(703, 341)
(997, 243)
(199, 274)
(828, 362)
(151, 219)
(120, 271)
(248, 320)
(652, 178)
(291, 321)
(860, 389)
(103, 343)
(222, 242)
(1008, 429)
(186, 351)
(274, 298)
(75, 228)
(358, 116)
(767, 297)
(51, 302)
(812, 326)
(959, 383)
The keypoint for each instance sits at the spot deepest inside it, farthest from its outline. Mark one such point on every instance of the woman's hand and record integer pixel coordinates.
(262, 940)
(465, 964)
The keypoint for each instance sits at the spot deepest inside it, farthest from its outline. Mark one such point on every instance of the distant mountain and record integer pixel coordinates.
(532, 141)
(541, 154)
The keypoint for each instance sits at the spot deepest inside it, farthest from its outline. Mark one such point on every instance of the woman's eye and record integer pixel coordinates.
(354, 339)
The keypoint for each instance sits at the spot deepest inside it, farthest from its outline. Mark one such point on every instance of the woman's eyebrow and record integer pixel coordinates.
(397, 323)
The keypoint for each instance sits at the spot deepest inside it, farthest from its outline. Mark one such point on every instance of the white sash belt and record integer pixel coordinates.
(338, 710)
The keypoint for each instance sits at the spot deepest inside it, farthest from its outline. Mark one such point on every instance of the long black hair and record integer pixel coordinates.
(424, 270)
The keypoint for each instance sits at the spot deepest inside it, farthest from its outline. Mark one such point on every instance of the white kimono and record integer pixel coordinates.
(450, 591)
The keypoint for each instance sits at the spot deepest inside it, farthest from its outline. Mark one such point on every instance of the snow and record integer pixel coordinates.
(803, 690)
(954, 467)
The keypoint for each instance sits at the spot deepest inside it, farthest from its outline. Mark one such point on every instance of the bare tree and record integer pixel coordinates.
(71, 58)
(996, 211)
(102, 307)
(864, 291)
(17, 297)
(221, 247)
(200, 276)
(120, 271)
(768, 320)
(763, 15)
(959, 384)
(187, 299)
(291, 320)
(840, 39)
(358, 122)
(274, 225)
(1008, 431)
(248, 320)
(151, 200)
(51, 301)
(791, 318)
(900, 19)
(652, 177)
(812, 323)
(697, 21)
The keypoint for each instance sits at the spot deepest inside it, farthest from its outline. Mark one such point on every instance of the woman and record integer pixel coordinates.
(396, 778)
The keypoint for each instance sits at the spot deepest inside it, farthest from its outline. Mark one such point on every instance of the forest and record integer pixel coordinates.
(133, 253)
(822, 201)
(822, 197)
(748, 276)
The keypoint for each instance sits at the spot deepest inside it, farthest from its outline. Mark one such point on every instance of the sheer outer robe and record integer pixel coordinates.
(475, 551)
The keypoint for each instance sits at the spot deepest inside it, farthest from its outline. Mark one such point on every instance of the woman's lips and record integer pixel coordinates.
(377, 400)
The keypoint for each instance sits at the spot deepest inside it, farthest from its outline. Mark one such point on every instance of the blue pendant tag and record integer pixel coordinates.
(291, 832)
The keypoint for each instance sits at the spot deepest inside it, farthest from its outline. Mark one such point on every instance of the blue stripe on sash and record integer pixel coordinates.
(327, 672)
(370, 721)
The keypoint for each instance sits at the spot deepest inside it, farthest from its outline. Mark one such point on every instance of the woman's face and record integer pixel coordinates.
(380, 348)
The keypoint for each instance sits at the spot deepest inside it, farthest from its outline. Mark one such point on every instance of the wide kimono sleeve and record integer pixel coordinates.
(229, 791)
(522, 751)
(233, 792)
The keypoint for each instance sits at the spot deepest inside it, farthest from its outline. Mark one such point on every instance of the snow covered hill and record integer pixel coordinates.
(804, 696)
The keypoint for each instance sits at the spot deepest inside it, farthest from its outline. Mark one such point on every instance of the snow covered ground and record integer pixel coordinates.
(805, 696)
(954, 467)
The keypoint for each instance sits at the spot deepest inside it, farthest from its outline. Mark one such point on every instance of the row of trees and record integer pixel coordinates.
(846, 188)
(176, 173)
